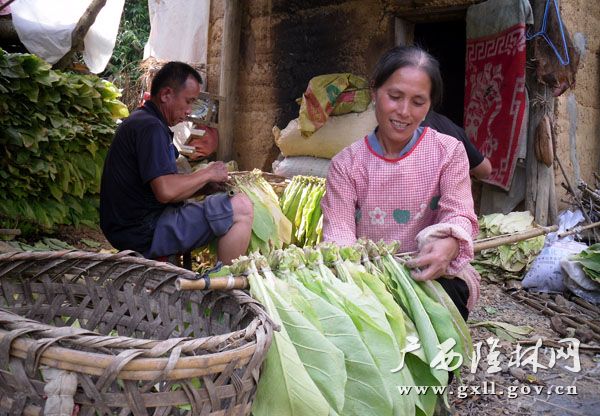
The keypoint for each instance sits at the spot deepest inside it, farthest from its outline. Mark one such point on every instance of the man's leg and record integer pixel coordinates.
(235, 242)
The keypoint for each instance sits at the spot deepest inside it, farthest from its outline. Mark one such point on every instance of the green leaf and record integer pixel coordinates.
(365, 393)
(285, 388)
(90, 243)
(323, 361)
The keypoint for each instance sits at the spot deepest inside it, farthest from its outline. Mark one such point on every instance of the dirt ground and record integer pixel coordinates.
(520, 391)
(78, 236)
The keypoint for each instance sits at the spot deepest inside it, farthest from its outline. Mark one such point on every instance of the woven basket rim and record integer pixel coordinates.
(143, 365)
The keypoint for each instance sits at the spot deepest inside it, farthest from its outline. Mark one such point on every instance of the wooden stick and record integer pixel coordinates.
(514, 238)
(578, 229)
(240, 282)
(3, 6)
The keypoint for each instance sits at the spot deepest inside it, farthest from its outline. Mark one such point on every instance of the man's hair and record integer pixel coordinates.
(174, 75)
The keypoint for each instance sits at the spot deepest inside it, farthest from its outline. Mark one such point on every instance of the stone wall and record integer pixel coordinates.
(577, 111)
(284, 43)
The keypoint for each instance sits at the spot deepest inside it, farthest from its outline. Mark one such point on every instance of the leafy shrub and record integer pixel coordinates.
(55, 131)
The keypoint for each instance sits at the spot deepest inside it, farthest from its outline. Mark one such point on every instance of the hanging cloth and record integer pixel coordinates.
(495, 97)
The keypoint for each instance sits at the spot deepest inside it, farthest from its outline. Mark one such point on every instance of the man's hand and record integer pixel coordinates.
(178, 187)
(434, 258)
(216, 171)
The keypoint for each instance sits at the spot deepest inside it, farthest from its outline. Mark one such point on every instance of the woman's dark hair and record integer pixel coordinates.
(174, 75)
(402, 56)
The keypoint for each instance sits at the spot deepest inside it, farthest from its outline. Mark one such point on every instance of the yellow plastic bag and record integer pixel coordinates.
(331, 94)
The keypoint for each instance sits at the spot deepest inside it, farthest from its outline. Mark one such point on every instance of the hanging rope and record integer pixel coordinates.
(543, 33)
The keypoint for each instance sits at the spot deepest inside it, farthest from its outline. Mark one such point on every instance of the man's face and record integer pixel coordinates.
(176, 106)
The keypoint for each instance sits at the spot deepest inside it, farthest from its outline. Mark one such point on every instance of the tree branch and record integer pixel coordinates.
(83, 26)
(3, 6)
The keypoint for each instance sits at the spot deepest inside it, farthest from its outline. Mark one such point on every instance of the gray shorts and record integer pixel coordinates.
(194, 224)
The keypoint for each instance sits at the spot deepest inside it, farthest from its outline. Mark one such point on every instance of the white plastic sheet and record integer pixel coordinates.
(45, 29)
(178, 30)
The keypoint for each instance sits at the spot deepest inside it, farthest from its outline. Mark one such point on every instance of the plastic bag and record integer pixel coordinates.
(331, 94)
(301, 165)
(546, 274)
(577, 282)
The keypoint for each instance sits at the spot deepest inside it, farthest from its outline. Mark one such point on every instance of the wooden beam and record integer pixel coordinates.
(83, 26)
(230, 49)
(8, 34)
(540, 198)
(404, 32)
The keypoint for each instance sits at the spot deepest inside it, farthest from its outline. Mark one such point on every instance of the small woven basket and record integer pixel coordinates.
(135, 344)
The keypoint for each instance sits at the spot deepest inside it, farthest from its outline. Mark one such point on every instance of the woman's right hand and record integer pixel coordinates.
(434, 258)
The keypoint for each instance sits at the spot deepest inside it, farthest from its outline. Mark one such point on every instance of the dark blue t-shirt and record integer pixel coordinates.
(141, 151)
(444, 125)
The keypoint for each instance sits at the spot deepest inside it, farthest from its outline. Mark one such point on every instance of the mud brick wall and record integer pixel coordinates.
(284, 43)
(577, 111)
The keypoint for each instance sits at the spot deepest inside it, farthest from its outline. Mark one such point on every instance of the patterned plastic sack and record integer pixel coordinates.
(331, 94)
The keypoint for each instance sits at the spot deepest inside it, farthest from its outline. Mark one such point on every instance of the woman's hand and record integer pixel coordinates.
(434, 258)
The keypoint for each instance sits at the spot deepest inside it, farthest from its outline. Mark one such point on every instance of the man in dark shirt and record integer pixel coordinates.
(480, 166)
(142, 197)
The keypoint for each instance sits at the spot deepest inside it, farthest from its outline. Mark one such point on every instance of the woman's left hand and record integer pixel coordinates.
(434, 258)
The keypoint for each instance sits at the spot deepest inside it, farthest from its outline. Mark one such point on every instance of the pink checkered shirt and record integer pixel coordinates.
(393, 199)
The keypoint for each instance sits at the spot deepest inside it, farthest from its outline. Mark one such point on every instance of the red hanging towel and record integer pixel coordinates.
(495, 97)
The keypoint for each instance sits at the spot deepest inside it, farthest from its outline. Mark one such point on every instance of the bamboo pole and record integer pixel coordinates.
(137, 369)
(479, 245)
(578, 229)
(514, 238)
(216, 283)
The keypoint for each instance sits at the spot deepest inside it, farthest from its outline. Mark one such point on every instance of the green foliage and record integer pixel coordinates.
(56, 129)
(354, 326)
(590, 261)
(301, 204)
(270, 228)
(123, 68)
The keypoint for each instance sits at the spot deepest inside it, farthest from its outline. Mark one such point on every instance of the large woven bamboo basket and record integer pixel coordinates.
(135, 344)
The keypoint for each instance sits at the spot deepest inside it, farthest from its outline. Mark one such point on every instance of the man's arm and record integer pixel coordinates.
(483, 170)
(179, 187)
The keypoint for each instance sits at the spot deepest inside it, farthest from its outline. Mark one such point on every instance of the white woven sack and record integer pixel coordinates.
(336, 134)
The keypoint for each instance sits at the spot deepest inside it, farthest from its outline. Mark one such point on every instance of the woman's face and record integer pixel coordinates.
(401, 104)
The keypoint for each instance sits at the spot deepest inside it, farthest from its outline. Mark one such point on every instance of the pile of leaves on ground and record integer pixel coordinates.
(56, 130)
(508, 261)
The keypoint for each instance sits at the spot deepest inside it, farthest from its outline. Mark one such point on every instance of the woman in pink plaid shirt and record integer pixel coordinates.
(407, 183)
